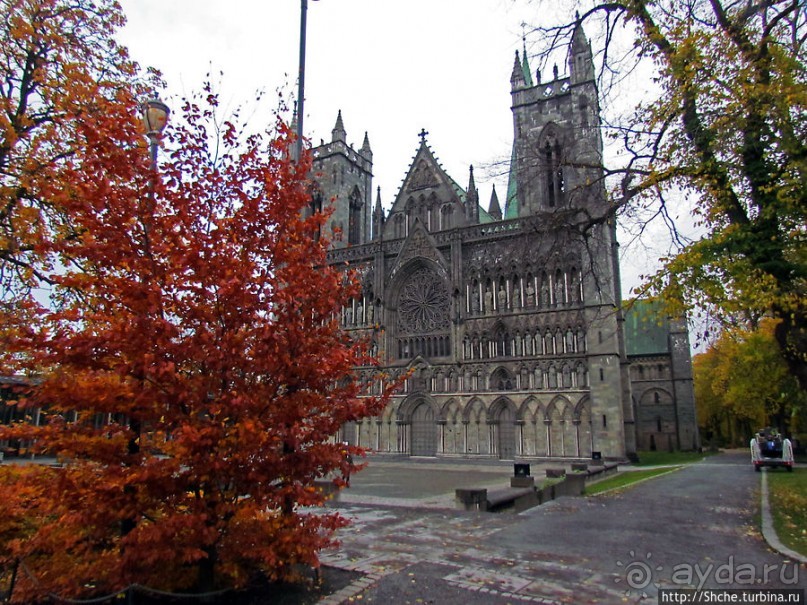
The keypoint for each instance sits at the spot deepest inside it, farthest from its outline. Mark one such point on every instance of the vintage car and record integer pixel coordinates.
(769, 448)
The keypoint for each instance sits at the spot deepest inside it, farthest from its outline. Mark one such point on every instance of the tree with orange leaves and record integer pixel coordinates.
(197, 375)
(62, 74)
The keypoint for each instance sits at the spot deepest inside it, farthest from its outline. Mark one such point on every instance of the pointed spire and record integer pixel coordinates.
(472, 199)
(517, 80)
(511, 209)
(378, 216)
(495, 210)
(338, 133)
(581, 62)
(579, 41)
(365, 150)
(525, 66)
(379, 209)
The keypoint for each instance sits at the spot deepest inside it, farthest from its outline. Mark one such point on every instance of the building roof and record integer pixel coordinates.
(511, 200)
(646, 328)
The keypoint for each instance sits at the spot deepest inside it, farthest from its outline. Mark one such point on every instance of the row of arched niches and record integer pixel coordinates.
(476, 378)
(512, 293)
(483, 296)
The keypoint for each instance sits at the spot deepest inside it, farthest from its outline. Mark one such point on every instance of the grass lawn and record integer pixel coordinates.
(625, 479)
(788, 498)
(658, 458)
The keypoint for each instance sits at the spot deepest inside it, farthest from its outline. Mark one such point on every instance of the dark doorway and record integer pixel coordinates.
(424, 431)
(507, 434)
(349, 430)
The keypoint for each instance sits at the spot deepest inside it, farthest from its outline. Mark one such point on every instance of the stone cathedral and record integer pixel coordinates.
(508, 319)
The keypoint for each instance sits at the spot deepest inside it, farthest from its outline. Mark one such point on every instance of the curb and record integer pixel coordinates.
(769, 532)
(672, 469)
(351, 590)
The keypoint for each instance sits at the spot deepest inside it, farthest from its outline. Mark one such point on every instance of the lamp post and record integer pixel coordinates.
(154, 114)
(301, 79)
(155, 117)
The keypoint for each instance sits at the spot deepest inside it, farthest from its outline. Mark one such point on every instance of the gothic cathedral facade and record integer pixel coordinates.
(508, 320)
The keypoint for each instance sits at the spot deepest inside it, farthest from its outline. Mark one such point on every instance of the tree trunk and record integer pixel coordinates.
(791, 335)
(206, 578)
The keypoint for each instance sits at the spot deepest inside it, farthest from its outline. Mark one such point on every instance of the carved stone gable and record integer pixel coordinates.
(419, 244)
(423, 176)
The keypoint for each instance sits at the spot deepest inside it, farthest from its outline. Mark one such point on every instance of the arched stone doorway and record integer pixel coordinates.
(505, 421)
(423, 430)
(348, 433)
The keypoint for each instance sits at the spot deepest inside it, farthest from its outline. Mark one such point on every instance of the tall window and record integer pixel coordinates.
(400, 226)
(354, 219)
(553, 174)
(315, 207)
(445, 217)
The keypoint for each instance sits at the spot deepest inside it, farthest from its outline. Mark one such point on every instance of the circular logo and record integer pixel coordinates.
(637, 574)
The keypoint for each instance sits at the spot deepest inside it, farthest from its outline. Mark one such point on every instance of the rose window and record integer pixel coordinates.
(423, 304)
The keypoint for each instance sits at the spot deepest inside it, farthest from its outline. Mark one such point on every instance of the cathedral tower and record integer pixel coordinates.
(505, 320)
(345, 179)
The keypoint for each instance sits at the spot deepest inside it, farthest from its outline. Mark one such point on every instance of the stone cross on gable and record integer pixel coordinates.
(422, 135)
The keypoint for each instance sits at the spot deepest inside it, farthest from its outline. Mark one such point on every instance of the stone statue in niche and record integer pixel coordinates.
(370, 312)
(502, 298)
(516, 296)
(530, 295)
(359, 314)
(475, 300)
(488, 300)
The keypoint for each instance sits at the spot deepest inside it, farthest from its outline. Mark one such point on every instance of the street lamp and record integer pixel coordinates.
(155, 116)
(301, 79)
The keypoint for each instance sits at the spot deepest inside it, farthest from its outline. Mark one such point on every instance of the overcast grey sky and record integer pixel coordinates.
(392, 67)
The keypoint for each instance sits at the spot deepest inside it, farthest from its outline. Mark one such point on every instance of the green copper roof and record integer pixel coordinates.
(484, 216)
(457, 189)
(511, 201)
(525, 67)
(646, 328)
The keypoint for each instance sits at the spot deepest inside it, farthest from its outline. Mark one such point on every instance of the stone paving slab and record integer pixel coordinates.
(571, 550)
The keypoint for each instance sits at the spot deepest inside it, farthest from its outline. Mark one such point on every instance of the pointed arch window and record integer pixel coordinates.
(553, 174)
(354, 218)
(501, 380)
(445, 216)
(503, 342)
(400, 225)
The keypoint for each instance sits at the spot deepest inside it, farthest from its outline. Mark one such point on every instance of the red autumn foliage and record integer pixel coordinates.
(195, 377)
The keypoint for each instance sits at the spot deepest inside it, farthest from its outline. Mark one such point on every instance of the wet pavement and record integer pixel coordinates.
(696, 527)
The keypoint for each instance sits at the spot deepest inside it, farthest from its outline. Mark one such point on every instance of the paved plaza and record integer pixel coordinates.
(413, 546)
